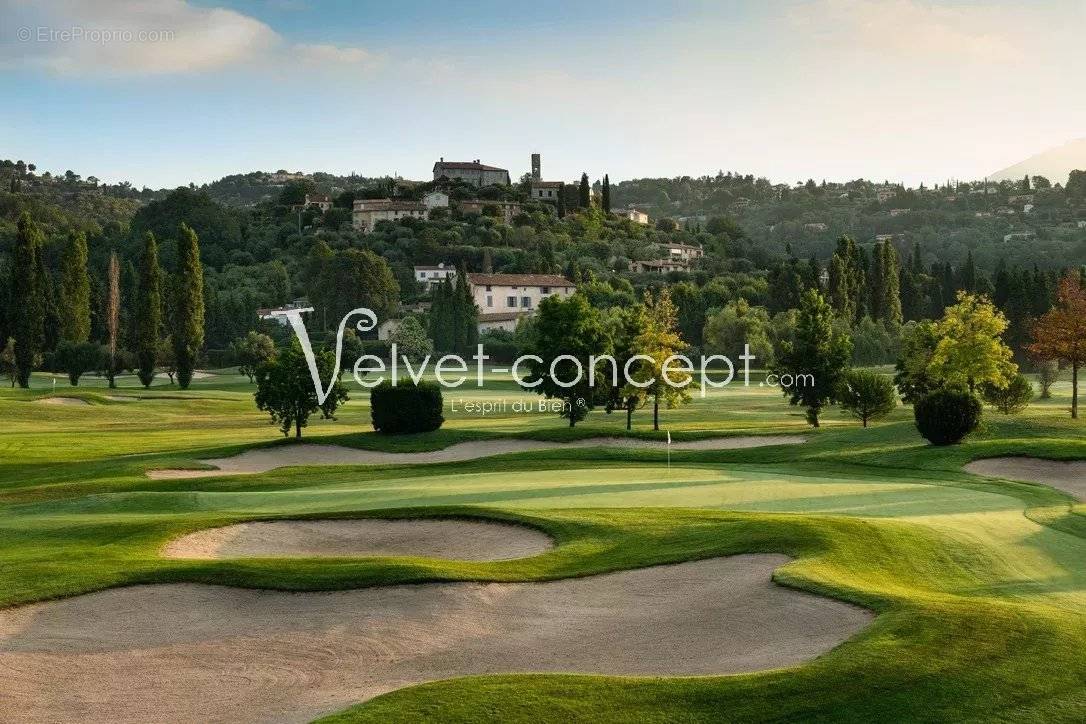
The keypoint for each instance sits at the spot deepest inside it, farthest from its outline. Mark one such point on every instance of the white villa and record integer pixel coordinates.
(515, 292)
(432, 276)
(634, 215)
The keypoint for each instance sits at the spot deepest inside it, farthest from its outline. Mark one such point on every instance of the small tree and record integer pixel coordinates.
(1048, 373)
(866, 395)
(77, 358)
(284, 388)
(658, 342)
(970, 350)
(811, 365)
(411, 340)
(251, 351)
(1060, 334)
(112, 361)
(1010, 399)
(566, 333)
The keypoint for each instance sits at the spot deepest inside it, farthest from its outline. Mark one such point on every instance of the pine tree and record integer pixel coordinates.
(75, 317)
(441, 318)
(148, 311)
(584, 195)
(188, 334)
(605, 198)
(26, 296)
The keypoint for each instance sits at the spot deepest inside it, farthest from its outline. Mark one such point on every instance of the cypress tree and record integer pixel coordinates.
(148, 311)
(877, 285)
(584, 196)
(968, 280)
(188, 327)
(890, 304)
(605, 198)
(26, 296)
(75, 313)
(440, 317)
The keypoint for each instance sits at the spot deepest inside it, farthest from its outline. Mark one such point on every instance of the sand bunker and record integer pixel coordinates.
(457, 539)
(195, 653)
(1069, 477)
(263, 460)
(63, 401)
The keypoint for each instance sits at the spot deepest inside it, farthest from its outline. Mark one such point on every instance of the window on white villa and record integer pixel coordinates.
(526, 302)
(546, 290)
(511, 302)
(489, 300)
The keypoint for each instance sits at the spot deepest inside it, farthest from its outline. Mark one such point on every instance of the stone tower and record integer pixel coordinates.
(537, 168)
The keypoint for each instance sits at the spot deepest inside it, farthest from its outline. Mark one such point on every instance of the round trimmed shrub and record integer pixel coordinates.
(945, 417)
(406, 408)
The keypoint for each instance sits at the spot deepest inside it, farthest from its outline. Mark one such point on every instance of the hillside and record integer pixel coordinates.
(1055, 164)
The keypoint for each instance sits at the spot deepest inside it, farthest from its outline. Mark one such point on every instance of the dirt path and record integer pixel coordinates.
(1070, 477)
(194, 653)
(457, 539)
(263, 460)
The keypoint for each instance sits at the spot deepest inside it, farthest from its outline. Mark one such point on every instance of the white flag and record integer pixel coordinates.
(669, 437)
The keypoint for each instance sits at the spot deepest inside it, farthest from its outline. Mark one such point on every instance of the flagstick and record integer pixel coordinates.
(669, 452)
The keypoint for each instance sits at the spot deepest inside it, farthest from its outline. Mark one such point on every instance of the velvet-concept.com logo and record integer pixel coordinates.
(453, 371)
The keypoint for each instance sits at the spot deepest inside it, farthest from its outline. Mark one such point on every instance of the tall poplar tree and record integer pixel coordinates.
(148, 311)
(584, 195)
(188, 327)
(113, 317)
(605, 198)
(29, 327)
(75, 314)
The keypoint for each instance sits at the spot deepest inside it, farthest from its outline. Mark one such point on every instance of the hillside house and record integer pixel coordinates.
(432, 276)
(506, 209)
(682, 252)
(367, 212)
(634, 215)
(659, 266)
(516, 292)
(471, 172)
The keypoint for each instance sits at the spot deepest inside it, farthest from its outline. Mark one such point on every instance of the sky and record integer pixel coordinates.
(164, 92)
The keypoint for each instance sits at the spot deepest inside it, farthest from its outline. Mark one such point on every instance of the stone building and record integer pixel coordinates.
(471, 172)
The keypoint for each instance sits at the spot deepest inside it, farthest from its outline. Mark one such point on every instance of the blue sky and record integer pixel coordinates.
(899, 89)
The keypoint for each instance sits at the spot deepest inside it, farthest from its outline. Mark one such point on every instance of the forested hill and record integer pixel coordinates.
(1044, 218)
(763, 244)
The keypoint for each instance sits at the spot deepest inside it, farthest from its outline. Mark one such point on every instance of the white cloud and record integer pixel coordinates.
(913, 28)
(153, 37)
(327, 55)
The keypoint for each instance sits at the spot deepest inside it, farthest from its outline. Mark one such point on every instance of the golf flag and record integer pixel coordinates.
(669, 451)
(669, 437)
